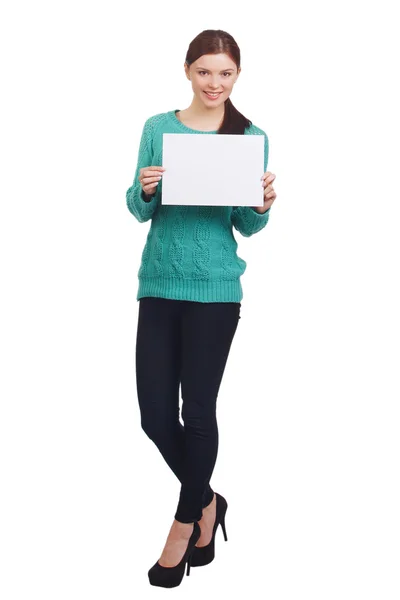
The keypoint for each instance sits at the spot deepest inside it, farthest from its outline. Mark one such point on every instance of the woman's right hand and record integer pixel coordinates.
(149, 178)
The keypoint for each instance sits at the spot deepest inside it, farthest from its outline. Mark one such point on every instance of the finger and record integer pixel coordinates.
(152, 168)
(269, 189)
(151, 173)
(146, 180)
(150, 188)
(268, 177)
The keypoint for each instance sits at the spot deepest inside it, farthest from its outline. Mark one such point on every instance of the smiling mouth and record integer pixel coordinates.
(214, 94)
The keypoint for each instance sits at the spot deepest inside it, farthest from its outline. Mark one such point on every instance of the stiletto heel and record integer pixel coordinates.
(224, 529)
(188, 565)
(169, 577)
(206, 554)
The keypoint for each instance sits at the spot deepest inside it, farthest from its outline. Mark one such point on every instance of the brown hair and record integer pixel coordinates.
(216, 41)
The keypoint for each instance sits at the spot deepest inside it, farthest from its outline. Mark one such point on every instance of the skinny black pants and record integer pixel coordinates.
(183, 346)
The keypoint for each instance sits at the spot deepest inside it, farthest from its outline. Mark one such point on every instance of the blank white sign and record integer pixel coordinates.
(213, 169)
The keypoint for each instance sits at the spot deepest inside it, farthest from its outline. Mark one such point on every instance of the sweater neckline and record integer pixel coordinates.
(183, 127)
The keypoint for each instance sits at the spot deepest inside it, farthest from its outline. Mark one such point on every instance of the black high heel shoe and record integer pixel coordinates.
(169, 577)
(204, 555)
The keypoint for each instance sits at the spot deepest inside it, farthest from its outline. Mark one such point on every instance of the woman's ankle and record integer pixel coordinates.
(209, 507)
(210, 501)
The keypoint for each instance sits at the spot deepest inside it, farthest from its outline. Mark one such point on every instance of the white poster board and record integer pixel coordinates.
(213, 169)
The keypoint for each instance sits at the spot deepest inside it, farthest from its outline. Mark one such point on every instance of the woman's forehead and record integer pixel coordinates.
(217, 62)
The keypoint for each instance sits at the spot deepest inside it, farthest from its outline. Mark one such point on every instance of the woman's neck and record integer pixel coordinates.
(198, 114)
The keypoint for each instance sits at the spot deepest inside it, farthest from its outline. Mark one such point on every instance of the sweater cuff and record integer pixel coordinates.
(262, 214)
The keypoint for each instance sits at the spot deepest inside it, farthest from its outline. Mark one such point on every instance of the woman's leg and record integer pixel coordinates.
(207, 333)
(158, 367)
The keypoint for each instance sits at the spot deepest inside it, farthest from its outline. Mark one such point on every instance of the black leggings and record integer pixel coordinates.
(184, 343)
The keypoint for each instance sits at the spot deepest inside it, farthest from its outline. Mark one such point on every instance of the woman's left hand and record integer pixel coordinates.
(269, 193)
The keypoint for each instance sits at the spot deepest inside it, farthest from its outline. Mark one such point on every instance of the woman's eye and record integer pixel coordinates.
(226, 73)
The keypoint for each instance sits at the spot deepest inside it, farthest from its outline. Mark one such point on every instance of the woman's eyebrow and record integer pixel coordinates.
(223, 70)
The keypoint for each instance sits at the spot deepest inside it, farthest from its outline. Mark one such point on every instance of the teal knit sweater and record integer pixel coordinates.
(190, 251)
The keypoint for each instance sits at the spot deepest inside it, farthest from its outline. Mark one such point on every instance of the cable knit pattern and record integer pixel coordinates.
(176, 249)
(201, 250)
(190, 251)
(159, 245)
(145, 256)
(227, 256)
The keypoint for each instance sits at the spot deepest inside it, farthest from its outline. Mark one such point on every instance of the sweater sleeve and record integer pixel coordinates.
(143, 206)
(244, 218)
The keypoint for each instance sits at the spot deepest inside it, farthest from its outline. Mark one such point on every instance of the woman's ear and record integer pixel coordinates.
(187, 71)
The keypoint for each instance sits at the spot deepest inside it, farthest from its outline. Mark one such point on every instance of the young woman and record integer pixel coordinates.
(189, 303)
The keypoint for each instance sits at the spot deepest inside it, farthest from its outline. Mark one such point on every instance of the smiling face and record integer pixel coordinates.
(214, 73)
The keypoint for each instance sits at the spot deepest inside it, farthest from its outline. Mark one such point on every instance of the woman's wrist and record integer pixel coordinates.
(147, 197)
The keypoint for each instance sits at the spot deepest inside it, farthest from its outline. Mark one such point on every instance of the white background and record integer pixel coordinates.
(309, 430)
